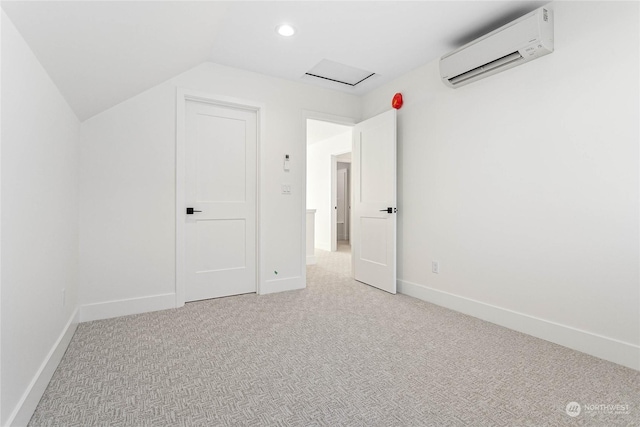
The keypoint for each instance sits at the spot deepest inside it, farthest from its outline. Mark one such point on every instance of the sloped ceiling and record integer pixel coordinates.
(100, 53)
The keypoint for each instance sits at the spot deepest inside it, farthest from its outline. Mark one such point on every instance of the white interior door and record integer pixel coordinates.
(220, 180)
(334, 203)
(374, 209)
(341, 203)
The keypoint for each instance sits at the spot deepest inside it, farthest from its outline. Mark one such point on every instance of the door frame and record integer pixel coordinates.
(182, 97)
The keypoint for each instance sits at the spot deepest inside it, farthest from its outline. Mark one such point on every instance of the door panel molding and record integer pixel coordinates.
(182, 97)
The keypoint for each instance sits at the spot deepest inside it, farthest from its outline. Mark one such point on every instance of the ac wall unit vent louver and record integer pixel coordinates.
(520, 41)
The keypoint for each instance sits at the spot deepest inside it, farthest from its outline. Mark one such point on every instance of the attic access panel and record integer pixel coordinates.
(339, 73)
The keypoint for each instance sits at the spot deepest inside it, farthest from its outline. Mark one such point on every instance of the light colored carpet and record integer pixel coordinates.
(338, 353)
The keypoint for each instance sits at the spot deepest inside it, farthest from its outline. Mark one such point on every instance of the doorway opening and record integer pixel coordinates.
(372, 217)
(328, 192)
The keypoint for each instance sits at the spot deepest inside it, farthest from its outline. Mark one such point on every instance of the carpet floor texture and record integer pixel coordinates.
(338, 353)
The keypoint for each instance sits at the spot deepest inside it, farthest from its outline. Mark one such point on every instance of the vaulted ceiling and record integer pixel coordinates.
(100, 53)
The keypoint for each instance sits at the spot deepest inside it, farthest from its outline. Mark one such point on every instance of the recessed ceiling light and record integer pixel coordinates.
(285, 30)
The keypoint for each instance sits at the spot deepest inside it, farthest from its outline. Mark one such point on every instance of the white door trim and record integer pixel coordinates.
(182, 96)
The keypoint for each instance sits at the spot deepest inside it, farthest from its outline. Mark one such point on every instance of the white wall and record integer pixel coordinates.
(127, 220)
(524, 186)
(319, 183)
(40, 142)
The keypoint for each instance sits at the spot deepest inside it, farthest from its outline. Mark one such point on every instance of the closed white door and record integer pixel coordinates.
(220, 179)
(374, 209)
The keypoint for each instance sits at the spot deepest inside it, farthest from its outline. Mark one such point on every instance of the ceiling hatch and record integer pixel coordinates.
(339, 73)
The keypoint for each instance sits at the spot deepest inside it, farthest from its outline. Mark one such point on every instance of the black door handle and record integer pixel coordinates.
(190, 211)
(389, 210)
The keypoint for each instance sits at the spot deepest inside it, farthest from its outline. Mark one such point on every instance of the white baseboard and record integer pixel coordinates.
(125, 307)
(311, 259)
(610, 349)
(32, 395)
(281, 285)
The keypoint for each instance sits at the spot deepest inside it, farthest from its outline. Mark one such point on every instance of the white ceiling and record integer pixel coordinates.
(100, 53)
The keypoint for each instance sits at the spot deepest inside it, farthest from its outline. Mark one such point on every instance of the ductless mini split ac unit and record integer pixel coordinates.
(520, 41)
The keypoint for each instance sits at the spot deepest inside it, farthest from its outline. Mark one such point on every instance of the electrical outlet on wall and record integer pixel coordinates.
(435, 267)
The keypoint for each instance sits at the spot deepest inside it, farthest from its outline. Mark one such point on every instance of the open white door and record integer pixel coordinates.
(374, 209)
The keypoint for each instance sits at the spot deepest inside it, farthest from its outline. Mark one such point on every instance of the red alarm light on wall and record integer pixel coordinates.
(397, 102)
